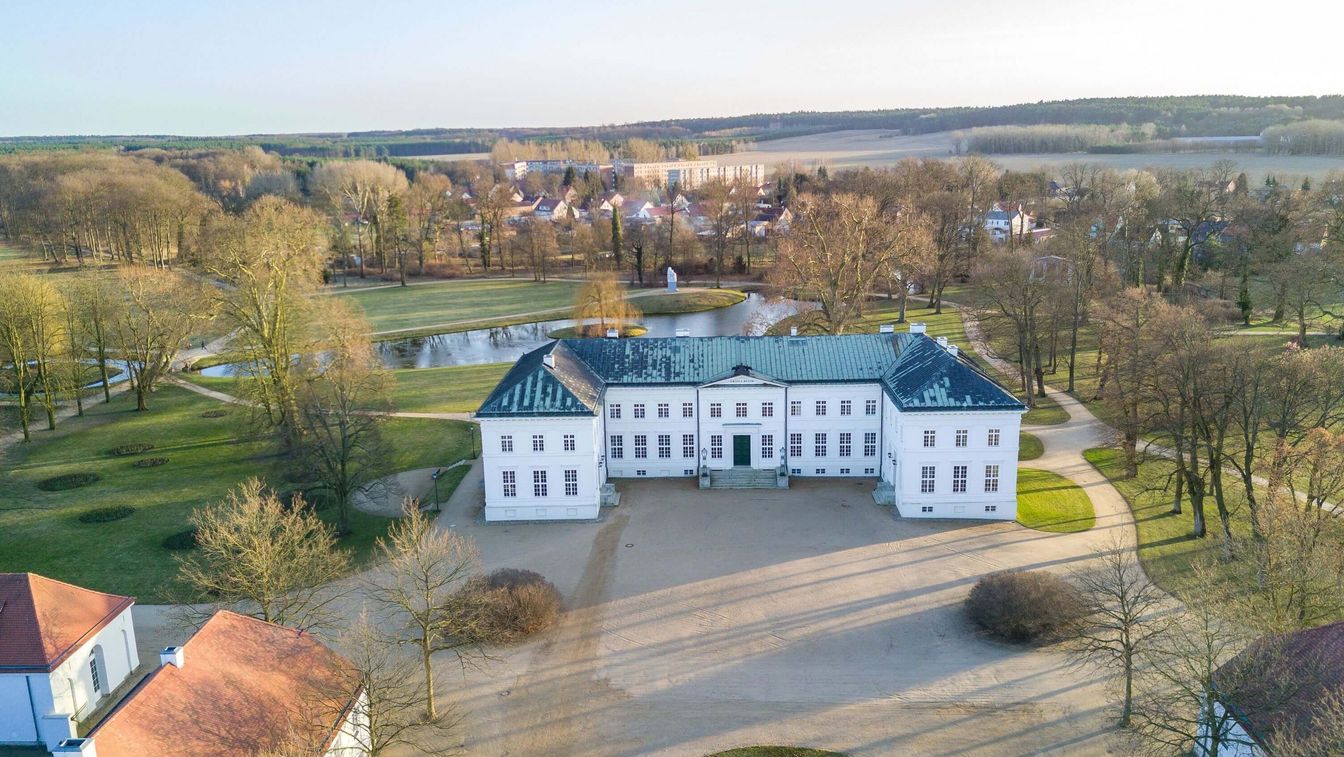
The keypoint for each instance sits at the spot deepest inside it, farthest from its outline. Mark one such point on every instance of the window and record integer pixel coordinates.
(993, 437)
(795, 445)
(688, 445)
(819, 444)
(767, 446)
(716, 410)
(506, 443)
(961, 437)
(639, 410)
(869, 471)
(688, 471)
(767, 409)
(844, 471)
(538, 483)
(569, 442)
(641, 446)
(664, 446)
(870, 407)
(796, 471)
(796, 408)
(926, 479)
(869, 443)
(926, 508)
(819, 408)
(614, 411)
(571, 482)
(93, 674)
(740, 410)
(819, 471)
(617, 447)
(538, 443)
(688, 409)
(846, 444)
(930, 437)
(664, 410)
(716, 446)
(991, 478)
(510, 479)
(991, 508)
(641, 472)
(959, 479)
(846, 407)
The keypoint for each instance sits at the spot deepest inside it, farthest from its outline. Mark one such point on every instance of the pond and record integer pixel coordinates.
(508, 343)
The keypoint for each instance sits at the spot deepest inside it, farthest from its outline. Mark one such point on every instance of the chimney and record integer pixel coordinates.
(175, 656)
(82, 747)
(613, 334)
(942, 342)
(548, 360)
(793, 331)
(683, 332)
(952, 349)
(887, 328)
(916, 328)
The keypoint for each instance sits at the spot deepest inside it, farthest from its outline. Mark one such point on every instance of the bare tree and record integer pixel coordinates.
(159, 310)
(272, 560)
(423, 568)
(1125, 615)
(394, 699)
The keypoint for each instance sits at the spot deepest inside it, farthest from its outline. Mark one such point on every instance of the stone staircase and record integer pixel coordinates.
(742, 478)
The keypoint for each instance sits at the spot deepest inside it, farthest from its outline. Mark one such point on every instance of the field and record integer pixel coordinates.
(459, 305)
(455, 389)
(879, 148)
(39, 530)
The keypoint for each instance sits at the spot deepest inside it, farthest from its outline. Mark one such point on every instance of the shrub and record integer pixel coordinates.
(150, 462)
(180, 540)
(508, 604)
(1024, 605)
(448, 268)
(106, 514)
(214, 413)
(68, 481)
(130, 449)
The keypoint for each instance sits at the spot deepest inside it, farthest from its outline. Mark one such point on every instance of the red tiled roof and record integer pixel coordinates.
(43, 621)
(1275, 684)
(245, 686)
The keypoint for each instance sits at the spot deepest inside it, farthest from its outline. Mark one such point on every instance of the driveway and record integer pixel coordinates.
(699, 621)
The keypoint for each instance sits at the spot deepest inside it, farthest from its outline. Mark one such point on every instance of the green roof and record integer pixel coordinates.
(915, 371)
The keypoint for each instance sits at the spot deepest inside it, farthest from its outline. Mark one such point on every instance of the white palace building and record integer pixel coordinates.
(938, 435)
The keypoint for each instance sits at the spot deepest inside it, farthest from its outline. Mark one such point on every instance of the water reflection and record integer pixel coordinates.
(506, 344)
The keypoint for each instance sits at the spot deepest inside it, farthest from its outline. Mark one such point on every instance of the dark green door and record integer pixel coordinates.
(742, 450)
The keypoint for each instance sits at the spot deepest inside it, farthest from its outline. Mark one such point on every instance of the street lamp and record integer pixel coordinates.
(435, 478)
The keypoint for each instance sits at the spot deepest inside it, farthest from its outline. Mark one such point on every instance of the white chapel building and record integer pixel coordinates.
(938, 436)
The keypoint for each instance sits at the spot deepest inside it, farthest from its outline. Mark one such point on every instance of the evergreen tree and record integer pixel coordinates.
(569, 177)
(617, 234)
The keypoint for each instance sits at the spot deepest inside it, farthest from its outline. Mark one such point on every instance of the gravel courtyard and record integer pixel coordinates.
(700, 621)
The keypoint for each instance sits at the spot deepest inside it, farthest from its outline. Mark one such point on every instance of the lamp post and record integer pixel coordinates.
(435, 478)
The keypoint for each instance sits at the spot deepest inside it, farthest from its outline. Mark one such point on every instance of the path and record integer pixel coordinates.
(63, 412)
(384, 496)
(225, 397)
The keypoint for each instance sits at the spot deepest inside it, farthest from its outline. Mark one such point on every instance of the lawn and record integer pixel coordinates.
(689, 301)
(881, 311)
(455, 389)
(1049, 502)
(206, 457)
(461, 305)
(1029, 446)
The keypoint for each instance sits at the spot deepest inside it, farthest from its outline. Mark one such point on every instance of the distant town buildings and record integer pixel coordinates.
(687, 174)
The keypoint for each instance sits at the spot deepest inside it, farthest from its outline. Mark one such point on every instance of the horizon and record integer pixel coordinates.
(258, 68)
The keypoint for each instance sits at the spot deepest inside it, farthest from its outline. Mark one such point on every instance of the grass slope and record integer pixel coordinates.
(1029, 446)
(460, 305)
(1050, 502)
(689, 301)
(207, 456)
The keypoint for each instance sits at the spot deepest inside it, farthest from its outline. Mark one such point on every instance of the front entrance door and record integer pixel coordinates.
(742, 450)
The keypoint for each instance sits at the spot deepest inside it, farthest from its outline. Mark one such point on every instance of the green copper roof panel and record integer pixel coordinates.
(916, 372)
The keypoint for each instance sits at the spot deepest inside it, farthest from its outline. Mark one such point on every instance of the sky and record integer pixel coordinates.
(283, 66)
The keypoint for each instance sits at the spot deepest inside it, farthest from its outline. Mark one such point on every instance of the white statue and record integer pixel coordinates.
(671, 279)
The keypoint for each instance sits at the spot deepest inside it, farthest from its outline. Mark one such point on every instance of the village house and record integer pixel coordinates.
(1005, 220)
(937, 436)
(238, 686)
(551, 208)
(63, 650)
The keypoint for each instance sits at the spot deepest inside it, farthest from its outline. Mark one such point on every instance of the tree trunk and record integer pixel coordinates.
(430, 710)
